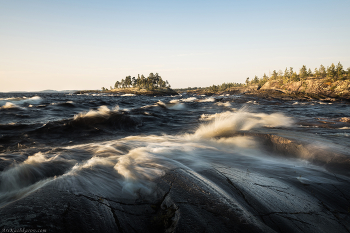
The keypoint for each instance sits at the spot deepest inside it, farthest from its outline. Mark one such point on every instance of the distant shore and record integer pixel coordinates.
(307, 89)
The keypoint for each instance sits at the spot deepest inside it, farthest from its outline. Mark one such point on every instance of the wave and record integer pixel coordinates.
(175, 101)
(34, 172)
(133, 164)
(227, 123)
(104, 117)
(190, 99)
(173, 104)
(207, 100)
(10, 105)
(92, 121)
(64, 104)
(345, 119)
(102, 111)
(22, 100)
(252, 102)
(225, 104)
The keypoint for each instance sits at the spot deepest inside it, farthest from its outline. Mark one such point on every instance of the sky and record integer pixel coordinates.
(77, 45)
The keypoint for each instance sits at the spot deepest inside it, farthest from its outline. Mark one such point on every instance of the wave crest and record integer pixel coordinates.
(227, 123)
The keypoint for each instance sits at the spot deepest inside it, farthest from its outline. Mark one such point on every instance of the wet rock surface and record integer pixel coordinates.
(221, 199)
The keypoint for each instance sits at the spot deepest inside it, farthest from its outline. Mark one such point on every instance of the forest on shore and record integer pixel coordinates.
(330, 74)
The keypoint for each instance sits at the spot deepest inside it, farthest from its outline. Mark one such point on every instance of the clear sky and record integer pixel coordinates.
(72, 44)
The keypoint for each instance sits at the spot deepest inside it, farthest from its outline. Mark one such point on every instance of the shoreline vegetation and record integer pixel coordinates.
(331, 83)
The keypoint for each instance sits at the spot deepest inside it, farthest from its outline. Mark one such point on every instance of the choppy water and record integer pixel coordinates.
(112, 145)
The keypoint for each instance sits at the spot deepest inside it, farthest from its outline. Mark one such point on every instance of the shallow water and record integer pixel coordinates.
(118, 146)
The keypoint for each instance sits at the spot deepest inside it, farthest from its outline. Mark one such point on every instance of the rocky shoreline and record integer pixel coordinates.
(308, 89)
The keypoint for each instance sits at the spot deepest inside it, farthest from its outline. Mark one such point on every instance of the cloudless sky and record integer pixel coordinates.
(66, 45)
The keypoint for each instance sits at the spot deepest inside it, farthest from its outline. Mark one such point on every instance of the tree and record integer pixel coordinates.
(295, 77)
(322, 71)
(128, 81)
(143, 81)
(280, 74)
(286, 73)
(316, 73)
(291, 71)
(339, 70)
(303, 72)
(331, 71)
(274, 74)
(247, 81)
(309, 73)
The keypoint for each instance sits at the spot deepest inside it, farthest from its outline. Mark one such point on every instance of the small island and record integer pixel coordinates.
(153, 85)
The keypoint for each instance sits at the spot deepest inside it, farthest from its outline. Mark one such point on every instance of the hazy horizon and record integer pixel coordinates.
(76, 45)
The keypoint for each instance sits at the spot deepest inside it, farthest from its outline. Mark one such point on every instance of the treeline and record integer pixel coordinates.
(223, 87)
(213, 88)
(333, 72)
(152, 82)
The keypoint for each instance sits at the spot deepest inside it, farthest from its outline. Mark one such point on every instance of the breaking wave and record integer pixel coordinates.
(225, 104)
(227, 123)
(190, 99)
(207, 100)
(21, 100)
(10, 105)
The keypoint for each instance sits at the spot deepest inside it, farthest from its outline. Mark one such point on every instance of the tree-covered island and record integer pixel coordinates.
(154, 84)
(151, 85)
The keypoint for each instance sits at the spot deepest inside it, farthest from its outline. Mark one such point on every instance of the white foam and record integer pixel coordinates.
(161, 104)
(178, 106)
(174, 101)
(190, 99)
(9, 105)
(21, 100)
(207, 100)
(128, 95)
(36, 158)
(225, 104)
(252, 102)
(226, 123)
(102, 111)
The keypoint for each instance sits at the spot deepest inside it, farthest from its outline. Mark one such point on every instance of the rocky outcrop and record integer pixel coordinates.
(317, 88)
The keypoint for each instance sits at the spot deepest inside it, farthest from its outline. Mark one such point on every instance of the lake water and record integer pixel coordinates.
(119, 146)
